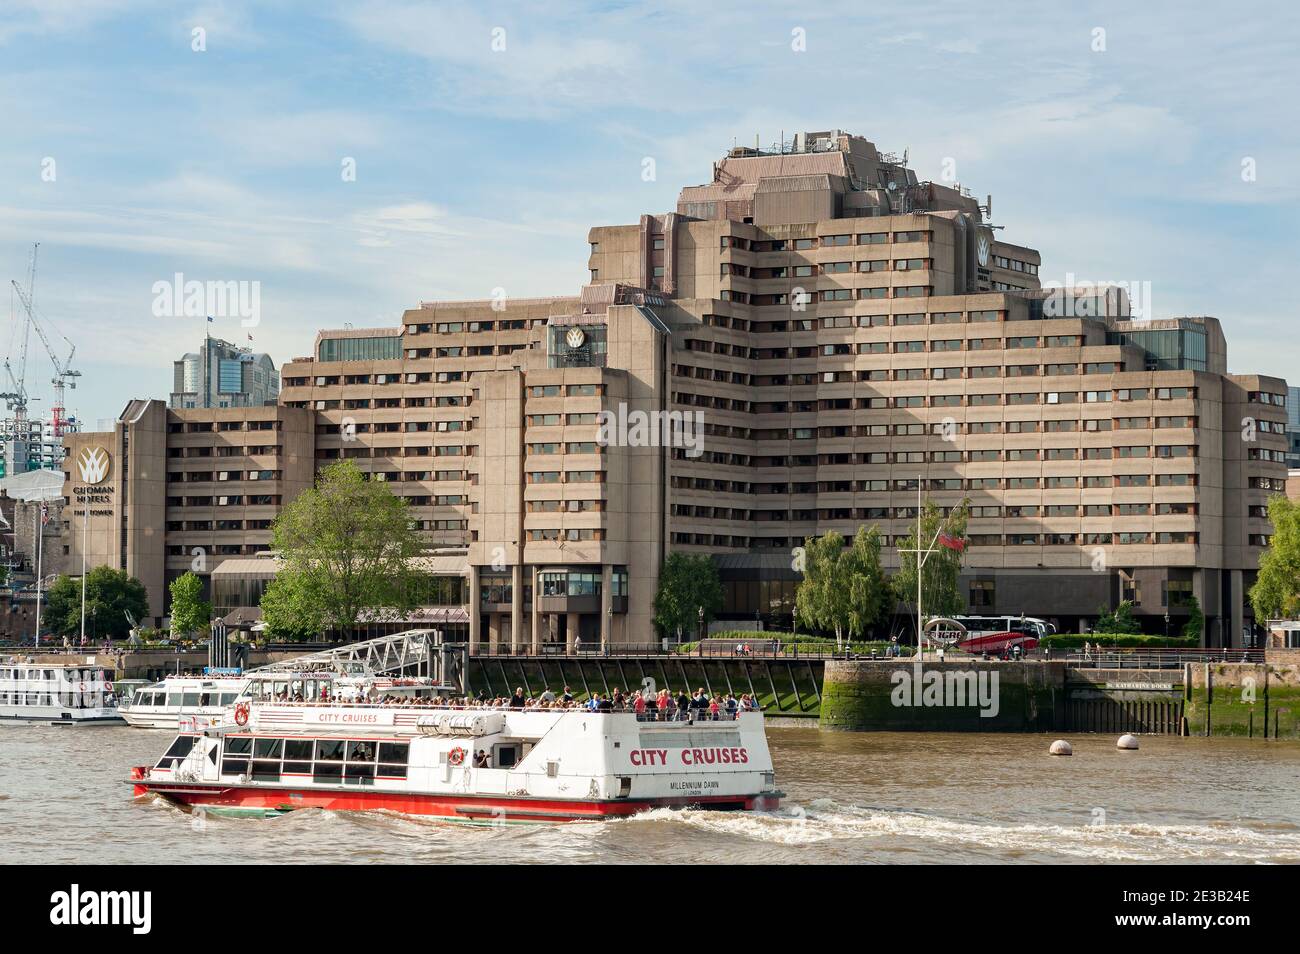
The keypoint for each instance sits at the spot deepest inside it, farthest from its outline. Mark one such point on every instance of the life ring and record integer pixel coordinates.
(241, 714)
(456, 756)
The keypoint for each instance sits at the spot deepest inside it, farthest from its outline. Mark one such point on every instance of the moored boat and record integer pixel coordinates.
(472, 764)
(63, 694)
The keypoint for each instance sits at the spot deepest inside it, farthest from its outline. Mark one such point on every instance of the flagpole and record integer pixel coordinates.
(920, 617)
(85, 525)
(40, 550)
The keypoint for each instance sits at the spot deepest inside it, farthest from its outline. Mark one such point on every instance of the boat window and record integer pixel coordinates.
(266, 771)
(234, 766)
(206, 699)
(330, 750)
(181, 747)
(239, 744)
(190, 699)
(361, 751)
(173, 698)
(267, 748)
(297, 749)
(505, 756)
(392, 759)
(228, 697)
(327, 771)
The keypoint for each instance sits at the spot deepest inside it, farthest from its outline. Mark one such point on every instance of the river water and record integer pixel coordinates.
(872, 798)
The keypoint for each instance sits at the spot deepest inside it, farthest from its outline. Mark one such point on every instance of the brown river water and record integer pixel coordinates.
(870, 798)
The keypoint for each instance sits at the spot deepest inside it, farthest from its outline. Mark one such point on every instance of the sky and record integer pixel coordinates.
(350, 159)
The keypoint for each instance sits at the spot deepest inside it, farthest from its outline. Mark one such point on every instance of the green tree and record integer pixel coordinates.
(289, 611)
(686, 583)
(1195, 625)
(1276, 593)
(345, 547)
(844, 587)
(190, 611)
(940, 593)
(110, 594)
(1120, 621)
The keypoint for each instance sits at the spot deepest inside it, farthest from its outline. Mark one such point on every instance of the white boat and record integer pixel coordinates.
(181, 702)
(62, 694)
(476, 764)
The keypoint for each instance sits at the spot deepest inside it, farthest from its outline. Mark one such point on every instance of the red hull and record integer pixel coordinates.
(458, 807)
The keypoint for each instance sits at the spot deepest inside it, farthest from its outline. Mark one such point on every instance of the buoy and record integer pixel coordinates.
(1127, 742)
(1060, 747)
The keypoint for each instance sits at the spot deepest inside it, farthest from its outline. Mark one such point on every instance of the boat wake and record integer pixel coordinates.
(892, 834)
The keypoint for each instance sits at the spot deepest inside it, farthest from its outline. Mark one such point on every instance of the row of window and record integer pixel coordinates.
(869, 321)
(990, 399)
(872, 485)
(824, 241)
(725, 541)
(977, 512)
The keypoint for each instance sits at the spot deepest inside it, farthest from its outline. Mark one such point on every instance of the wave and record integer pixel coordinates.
(904, 832)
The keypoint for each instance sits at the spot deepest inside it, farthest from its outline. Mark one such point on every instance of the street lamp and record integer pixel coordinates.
(701, 630)
(1166, 624)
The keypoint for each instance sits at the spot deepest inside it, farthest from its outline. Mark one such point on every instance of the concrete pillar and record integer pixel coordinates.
(537, 612)
(475, 624)
(516, 607)
(1235, 610)
(494, 633)
(606, 605)
(571, 632)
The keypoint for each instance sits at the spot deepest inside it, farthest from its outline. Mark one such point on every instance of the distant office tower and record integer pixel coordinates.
(221, 374)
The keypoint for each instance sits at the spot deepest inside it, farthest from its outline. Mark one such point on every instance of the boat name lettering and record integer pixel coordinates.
(734, 755)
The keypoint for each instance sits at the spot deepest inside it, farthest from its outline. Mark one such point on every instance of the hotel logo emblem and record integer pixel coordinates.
(982, 250)
(93, 465)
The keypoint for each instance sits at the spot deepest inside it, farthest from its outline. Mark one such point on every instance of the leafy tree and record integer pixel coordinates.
(1276, 593)
(940, 592)
(109, 593)
(1120, 621)
(190, 612)
(844, 588)
(344, 547)
(289, 612)
(686, 583)
(1195, 624)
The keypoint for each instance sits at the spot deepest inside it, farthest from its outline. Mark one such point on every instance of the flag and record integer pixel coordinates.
(250, 337)
(45, 514)
(209, 319)
(951, 542)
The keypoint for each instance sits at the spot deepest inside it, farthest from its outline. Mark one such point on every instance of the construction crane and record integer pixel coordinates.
(64, 375)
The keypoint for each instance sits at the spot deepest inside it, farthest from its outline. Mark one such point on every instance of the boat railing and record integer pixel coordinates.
(649, 715)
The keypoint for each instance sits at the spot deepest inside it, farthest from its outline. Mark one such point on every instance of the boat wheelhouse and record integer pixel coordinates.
(59, 694)
(480, 765)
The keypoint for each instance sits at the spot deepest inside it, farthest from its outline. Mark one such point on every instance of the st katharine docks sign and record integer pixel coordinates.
(93, 466)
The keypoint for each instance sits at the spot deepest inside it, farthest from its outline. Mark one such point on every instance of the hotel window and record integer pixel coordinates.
(1060, 483)
(873, 238)
(876, 265)
(828, 240)
(985, 316)
(982, 594)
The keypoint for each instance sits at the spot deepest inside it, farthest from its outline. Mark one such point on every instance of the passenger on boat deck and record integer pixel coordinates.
(481, 760)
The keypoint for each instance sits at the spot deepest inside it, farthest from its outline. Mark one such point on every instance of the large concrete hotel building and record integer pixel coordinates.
(841, 331)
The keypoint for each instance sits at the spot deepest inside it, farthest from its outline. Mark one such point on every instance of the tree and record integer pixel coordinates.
(110, 594)
(1119, 622)
(687, 582)
(940, 593)
(844, 588)
(289, 611)
(190, 612)
(1276, 593)
(1195, 624)
(345, 547)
